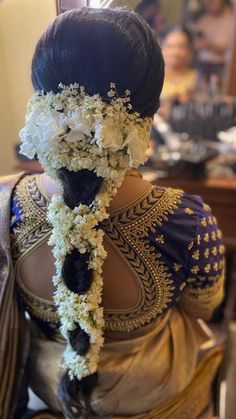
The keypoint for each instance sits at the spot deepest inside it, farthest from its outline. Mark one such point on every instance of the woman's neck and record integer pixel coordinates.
(131, 188)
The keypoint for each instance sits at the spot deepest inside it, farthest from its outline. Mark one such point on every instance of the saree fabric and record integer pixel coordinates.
(14, 344)
(158, 361)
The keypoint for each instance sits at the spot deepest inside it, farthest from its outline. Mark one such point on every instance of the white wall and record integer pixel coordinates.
(21, 24)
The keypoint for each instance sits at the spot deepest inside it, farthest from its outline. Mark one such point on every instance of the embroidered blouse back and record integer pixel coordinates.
(166, 247)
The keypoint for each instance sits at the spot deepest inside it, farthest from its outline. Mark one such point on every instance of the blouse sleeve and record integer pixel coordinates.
(205, 275)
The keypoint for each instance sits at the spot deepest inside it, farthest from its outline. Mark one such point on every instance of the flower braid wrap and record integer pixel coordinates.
(91, 143)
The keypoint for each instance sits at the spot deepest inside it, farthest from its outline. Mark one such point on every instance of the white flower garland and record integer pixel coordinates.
(75, 131)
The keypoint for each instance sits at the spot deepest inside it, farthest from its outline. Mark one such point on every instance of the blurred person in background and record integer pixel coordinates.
(180, 76)
(213, 36)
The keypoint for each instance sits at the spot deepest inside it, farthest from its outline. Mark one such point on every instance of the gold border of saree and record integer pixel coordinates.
(14, 338)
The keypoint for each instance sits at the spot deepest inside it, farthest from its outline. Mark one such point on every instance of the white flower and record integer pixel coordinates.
(137, 146)
(108, 136)
(76, 122)
(76, 138)
(73, 130)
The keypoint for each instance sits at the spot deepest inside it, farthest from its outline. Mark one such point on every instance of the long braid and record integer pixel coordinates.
(78, 188)
(88, 152)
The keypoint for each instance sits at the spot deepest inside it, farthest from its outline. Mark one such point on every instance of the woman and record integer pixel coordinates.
(146, 356)
(180, 77)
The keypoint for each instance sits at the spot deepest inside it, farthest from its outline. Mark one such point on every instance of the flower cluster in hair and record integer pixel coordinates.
(73, 130)
(76, 131)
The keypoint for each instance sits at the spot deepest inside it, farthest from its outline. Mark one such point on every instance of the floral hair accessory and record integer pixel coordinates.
(75, 131)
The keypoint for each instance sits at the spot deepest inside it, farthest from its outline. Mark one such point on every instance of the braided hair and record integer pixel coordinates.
(94, 47)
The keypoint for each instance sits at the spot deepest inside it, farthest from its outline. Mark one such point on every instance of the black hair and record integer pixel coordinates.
(94, 47)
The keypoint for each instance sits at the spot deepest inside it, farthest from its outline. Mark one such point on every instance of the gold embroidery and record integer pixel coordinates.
(188, 211)
(210, 221)
(215, 266)
(191, 280)
(204, 222)
(160, 239)
(219, 234)
(195, 269)
(209, 290)
(198, 239)
(207, 268)
(214, 251)
(190, 245)
(33, 208)
(182, 286)
(128, 229)
(213, 236)
(206, 237)
(177, 266)
(207, 253)
(221, 249)
(202, 278)
(206, 207)
(41, 308)
(214, 220)
(195, 254)
(129, 232)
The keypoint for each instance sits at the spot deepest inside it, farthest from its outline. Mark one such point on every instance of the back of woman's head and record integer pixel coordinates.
(94, 47)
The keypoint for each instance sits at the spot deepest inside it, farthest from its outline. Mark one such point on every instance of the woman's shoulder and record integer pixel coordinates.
(191, 211)
(162, 212)
(29, 200)
(178, 216)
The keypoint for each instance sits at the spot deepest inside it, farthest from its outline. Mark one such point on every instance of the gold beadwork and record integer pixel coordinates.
(177, 266)
(215, 266)
(213, 236)
(33, 208)
(190, 245)
(198, 239)
(221, 249)
(160, 239)
(207, 253)
(39, 307)
(206, 237)
(219, 233)
(188, 211)
(154, 278)
(206, 207)
(195, 269)
(207, 268)
(210, 221)
(214, 251)
(204, 222)
(128, 229)
(196, 254)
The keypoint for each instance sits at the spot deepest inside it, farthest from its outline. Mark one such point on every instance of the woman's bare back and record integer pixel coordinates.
(121, 289)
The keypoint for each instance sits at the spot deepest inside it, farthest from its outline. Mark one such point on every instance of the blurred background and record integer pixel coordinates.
(193, 139)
